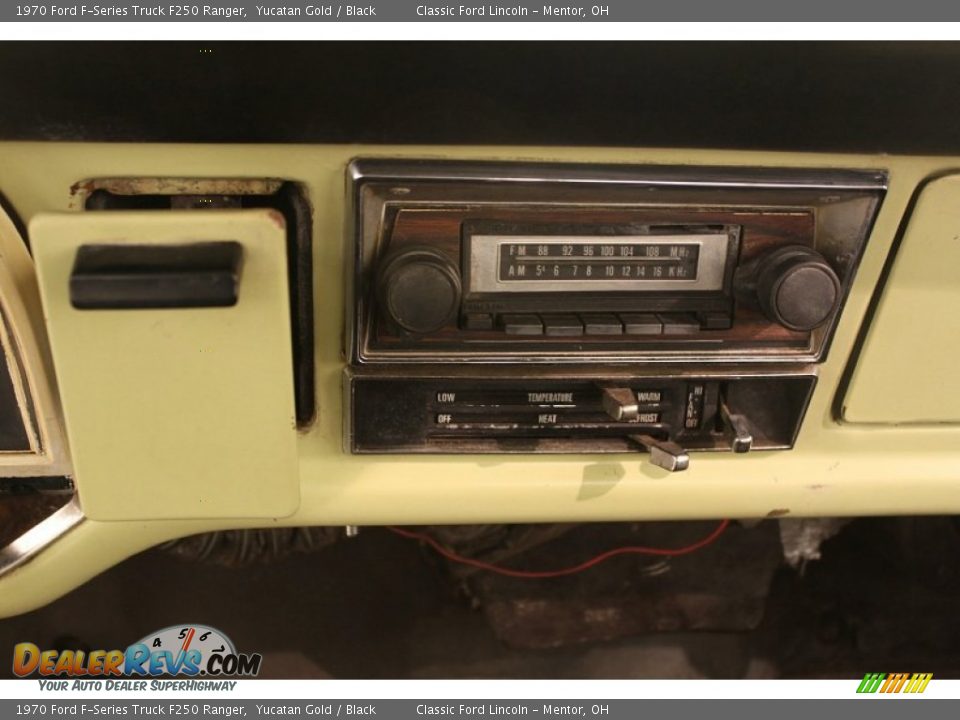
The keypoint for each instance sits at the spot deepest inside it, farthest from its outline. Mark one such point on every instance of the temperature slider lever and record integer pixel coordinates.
(664, 453)
(742, 439)
(622, 404)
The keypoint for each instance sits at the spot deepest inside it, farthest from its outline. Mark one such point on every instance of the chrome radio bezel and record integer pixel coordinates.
(842, 203)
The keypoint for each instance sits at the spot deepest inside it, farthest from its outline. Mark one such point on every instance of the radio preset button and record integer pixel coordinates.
(478, 321)
(641, 324)
(602, 324)
(521, 324)
(679, 324)
(562, 325)
(715, 321)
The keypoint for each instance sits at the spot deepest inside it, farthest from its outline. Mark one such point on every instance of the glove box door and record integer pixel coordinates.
(170, 334)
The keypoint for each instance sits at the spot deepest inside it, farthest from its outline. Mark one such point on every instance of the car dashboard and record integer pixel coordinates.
(214, 336)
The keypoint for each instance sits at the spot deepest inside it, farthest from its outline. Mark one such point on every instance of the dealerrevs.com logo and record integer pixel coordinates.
(180, 650)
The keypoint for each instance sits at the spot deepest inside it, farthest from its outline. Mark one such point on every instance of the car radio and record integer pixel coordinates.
(552, 308)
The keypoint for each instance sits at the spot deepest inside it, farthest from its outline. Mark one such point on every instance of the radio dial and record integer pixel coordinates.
(419, 289)
(797, 288)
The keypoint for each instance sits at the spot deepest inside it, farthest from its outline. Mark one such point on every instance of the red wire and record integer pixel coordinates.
(628, 550)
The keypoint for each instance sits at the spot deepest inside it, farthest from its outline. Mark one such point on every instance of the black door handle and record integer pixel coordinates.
(122, 277)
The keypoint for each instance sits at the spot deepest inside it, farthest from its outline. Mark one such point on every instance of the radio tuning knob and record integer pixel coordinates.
(797, 288)
(418, 289)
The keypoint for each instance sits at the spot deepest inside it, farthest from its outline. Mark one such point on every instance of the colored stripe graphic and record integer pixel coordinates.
(920, 682)
(871, 682)
(891, 683)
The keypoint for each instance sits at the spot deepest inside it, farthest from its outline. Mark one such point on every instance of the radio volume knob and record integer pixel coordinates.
(797, 288)
(418, 289)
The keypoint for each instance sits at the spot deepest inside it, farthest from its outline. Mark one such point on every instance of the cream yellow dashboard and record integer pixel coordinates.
(352, 352)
